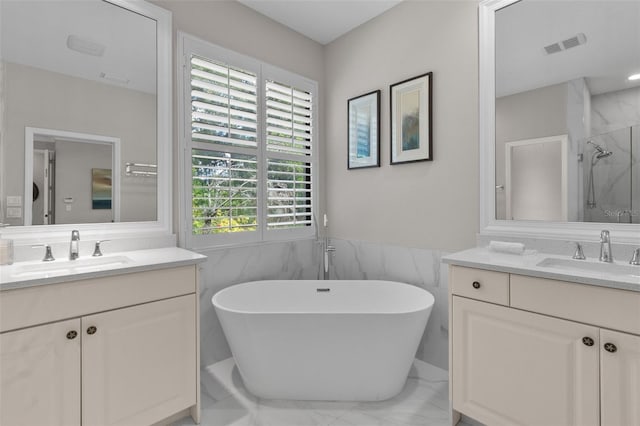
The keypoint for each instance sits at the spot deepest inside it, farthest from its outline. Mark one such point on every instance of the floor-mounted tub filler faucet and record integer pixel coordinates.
(74, 247)
(605, 247)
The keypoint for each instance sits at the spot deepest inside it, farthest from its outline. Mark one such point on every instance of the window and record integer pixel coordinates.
(248, 143)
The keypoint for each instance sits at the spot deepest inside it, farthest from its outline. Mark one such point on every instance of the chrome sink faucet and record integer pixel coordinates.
(74, 247)
(605, 247)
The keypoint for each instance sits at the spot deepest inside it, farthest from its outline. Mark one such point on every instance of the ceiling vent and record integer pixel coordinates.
(574, 41)
(84, 45)
(553, 48)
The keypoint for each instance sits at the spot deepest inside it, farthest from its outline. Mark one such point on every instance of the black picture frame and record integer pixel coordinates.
(363, 131)
(411, 123)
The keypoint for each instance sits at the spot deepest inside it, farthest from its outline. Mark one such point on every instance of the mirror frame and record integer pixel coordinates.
(489, 225)
(162, 226)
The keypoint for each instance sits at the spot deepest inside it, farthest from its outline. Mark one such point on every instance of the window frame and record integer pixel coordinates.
(187, 46)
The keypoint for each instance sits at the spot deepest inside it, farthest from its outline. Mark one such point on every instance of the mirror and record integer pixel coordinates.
(562, 73)
(84, 104)
(559, 118)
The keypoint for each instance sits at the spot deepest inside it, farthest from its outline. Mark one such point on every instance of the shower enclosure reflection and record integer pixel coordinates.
(611, 167)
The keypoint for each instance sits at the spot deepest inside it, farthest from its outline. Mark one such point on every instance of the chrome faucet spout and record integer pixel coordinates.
(74, 246)
(605, 247)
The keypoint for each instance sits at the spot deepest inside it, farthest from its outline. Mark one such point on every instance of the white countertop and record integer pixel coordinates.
(35, 273)
(527, 264)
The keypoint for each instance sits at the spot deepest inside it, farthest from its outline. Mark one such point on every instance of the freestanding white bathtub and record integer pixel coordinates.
(323, 340)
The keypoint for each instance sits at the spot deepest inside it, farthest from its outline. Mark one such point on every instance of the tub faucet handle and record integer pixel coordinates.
(579, 254)
(635, 259)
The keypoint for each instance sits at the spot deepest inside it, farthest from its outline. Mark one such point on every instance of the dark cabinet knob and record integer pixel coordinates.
(610, 347)
(476, 284)
(92, 330)
(72, 334)
(588, 341)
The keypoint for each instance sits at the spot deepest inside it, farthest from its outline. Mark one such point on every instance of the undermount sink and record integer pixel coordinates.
(64, 267)
(589, 266)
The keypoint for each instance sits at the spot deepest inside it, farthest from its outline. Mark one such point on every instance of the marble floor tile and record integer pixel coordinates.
(225, 402)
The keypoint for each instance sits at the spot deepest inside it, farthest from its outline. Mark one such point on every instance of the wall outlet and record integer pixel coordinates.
(14, 212)
(14, 200)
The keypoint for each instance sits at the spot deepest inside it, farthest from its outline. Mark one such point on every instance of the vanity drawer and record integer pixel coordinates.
(601, 306)
(53, 302)
(479, 284)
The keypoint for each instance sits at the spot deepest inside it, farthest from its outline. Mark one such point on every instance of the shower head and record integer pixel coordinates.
(603, 154)
(599, 151)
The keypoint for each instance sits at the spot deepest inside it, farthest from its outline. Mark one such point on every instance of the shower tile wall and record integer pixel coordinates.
(421, 267)
(611, 178)
(635, 174)
(225, 267)
(615, 110)
(578, 109)
(616, 116)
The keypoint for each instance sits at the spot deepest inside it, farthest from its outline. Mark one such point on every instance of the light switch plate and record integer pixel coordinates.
(14, 200)
(14, 212)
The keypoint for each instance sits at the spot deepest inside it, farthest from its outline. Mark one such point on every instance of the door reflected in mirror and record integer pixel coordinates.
(74, 179)
(562, 71)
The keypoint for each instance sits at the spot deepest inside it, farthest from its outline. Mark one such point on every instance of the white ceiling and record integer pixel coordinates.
(35, 33)
(610, 55)
(321, 20)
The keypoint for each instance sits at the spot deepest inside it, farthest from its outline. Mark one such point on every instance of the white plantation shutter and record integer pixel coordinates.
(224, 155)
(249, 145)
(289, 125)
(289, 119)
(224, 104)
(224, 192)
(288, 194)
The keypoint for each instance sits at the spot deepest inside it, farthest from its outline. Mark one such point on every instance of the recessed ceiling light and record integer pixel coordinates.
(634, 77)
(85, 46)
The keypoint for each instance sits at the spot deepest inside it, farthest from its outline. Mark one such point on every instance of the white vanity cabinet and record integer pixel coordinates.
(530, 351)
(128, 356)
(40, 375)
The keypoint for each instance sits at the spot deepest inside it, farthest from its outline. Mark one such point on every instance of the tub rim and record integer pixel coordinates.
(216, 305)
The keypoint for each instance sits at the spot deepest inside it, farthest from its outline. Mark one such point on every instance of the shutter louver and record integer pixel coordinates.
(224, 192)
(289, 203)
(289, 119)
(224, 104)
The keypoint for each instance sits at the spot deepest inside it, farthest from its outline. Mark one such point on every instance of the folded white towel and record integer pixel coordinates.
(505, 247)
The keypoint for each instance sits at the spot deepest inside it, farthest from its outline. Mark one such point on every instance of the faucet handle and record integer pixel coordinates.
(579, 254)
(635, 259)
(75, 235)
(604, 236)
(96, 249)
(48, 256)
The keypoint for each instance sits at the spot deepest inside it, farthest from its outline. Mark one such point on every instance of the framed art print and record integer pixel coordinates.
(364, 131)
(411, 125)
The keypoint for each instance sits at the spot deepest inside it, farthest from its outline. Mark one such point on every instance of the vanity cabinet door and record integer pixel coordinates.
(620, 378)
(40, 375)
(139, 363)
(512, 367)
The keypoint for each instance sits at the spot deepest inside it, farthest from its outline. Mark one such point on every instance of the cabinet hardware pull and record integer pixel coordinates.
(92, 330)
(587, 341)
(72, 334)
(610, 347)
(476, 284)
